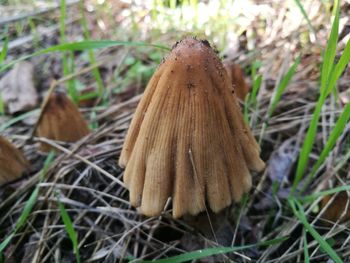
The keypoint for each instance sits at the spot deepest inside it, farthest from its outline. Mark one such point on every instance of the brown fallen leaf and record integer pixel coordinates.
(12, 162)
(338, 209)
(236, 77)
(60, 120)
(18, 90)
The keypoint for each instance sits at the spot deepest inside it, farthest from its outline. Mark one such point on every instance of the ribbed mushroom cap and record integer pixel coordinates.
(12, 162)
(60, 120)
(188, 139)
(236, 77)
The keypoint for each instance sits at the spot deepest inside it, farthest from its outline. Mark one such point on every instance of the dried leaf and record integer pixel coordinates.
(281, 161)
(17, 88)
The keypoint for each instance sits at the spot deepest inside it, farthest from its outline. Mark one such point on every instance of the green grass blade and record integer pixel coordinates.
(198, 254)
(282, 86)
(27, 209)
(63, 9)
(336, 132)
(302, 10)
(251, 100)
(67, 57)
(83, 45)
(327, 65)
(95, 71)
(299, 213)
(70, 230)
(307, 146)
(328, 59)
(47, 163)
(4, 50)
(339, 68)
(2, 106)
(314, 196)
(255, 90)
(5, 242)
(72, 90)
(306, 250)
(21, 117)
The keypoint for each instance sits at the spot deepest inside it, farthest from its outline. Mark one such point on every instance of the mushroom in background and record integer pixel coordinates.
(60, 120)
(338, 210)
(236, 77)
(188, 139)
(12, 162)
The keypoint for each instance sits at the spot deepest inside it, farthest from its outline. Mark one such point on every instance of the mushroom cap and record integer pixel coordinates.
(60, 120)
(236, 77)
(12, 162)
(188, 139)
(337, 210)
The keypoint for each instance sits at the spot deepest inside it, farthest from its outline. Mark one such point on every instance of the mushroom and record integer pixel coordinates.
(336, 211)
(60, 120)
(12, 162)
(236, 77)
(187, 139)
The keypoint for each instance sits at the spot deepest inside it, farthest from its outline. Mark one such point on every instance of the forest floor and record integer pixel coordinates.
(72, 205)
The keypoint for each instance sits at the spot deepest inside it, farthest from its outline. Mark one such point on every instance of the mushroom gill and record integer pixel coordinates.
(60, 120)
(188, 139)
(12, 162)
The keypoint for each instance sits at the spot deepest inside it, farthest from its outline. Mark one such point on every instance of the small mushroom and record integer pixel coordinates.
(236, 77)
(338, 210)
(12, 162)
(188, 139)
(60, 120)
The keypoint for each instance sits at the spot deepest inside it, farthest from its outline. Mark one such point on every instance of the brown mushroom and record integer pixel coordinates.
(236, 77)
(188, 139)
(338, 210)
(60, 120)
(12, 162)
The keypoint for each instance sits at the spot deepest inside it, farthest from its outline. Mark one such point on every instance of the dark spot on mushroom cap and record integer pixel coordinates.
(190, 85)
(206, 42)
(175, 45)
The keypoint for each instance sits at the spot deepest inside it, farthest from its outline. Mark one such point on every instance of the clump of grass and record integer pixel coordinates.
(277, 95)
(329, 75)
